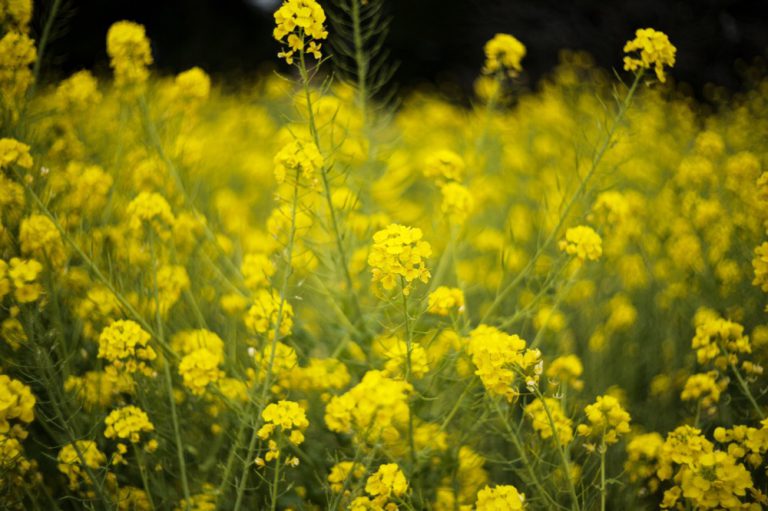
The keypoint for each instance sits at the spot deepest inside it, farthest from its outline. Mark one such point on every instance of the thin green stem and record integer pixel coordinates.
(43, 43)
(275, 485)
(408, 351)
(744, 387)
(168, 378)
(143, 472)
(603, 489)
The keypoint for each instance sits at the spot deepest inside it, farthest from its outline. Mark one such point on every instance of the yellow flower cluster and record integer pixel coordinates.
(263, 315)
(17, 407)
(13, 152)
(343, 474)
(129, 53)
(16, 14)
(502, 361)
(150, 212)
(703, 477)
(655, 52)
(395, 351)
(719, 341)
(21, 276)
(566, 370)
(374, 409)
(500, 497)
(583, 242)
(387, 482)
(17, 54)
(398, 256)
(98, 389)
(257, 269)
(191, 87)
(41, 239)
(128, 423)
(643, 458)
(71, 465)
(705, 389)
(760, 266)
(302, 21)
(78, 92)
(289, 420)
(503, 53)
(126, 346)
(745, 442)
(607, 420)
(540, 419)
(445, 300)
(284, 363)
(200, 368)
(298, 160)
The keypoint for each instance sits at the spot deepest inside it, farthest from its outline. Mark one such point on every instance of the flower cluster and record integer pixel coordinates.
(343, 474)
(457, 203)
(583, 242)
(283, 420)
(374, 409)
(17, 407)
(540, 413)
(268, 308)
(21, 276)
(126, 346)
(398, 255)
(720, 341)
(129, 423)
(502, 361)
(300, 25)
(607, 420)
(129, 53)
(13, 152)
(150, 212)
(566, 370)
(445, 300)
(655, 51)
(384, 484)
(500, 497)
(298, 160)
(200, 368)
(503, 54)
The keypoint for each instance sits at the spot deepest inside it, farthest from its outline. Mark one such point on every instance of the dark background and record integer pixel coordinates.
(432, 40)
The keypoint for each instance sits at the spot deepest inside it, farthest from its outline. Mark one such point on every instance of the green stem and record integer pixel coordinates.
(408, 351)
(744, 387)
(275, 485)
(143, 472)
(168, 378)
(606, 143)
(43, 43)
(603, 490)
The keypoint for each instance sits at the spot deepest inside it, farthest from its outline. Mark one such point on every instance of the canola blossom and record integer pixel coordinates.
(281, 293)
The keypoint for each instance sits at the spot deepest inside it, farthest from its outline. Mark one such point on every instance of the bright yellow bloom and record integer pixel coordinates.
(607, 419)
(13, 152)
(760, 265)
(16, 14)
(70, 464)
(655, 51)
(343, 471)
(502, 361)
(263, 315)
(444, 165)
(41, 239)
(540, 420)
(705, 388)
(129, 53)
(445, 300)
(299, 25)
(126, 345)
(504, 497)
(200, 368)
(398, 255)
(192, 86)
(503, 53)
(298, 159)
(720, 341)
(24, 273)
(128, 423)
(78, 92)
(566, 370)
(152, 212)
(387, 481)
(17, 54)
(257, 269)
(17, 403)
(583, 242)
(642, 458)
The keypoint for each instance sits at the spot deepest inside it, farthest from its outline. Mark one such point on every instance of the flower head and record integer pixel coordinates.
(503, 53)
(654, 49)
(299, 24)
(399, 253)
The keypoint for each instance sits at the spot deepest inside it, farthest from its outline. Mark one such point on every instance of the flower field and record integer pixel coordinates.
(291, 293)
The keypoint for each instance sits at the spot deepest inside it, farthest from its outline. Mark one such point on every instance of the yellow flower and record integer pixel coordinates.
(78, 92)
(444, 300)
(262, 317)
(540, 420)
(129, 53)
(16, 14)
(17, 403)
(199, 368)
(607, 419)
(503, 53)
(71, 465)
(299, 23)
(192, 86)
(128, 423)
(13, 152)
(583, 242)
(41, 239)
(126, 345)
(150, 211)
(655, 51)
(343, 471)
(398, 254)
(501, 497)
(444, 165)
(302, 157)
(257, 270)
(387, 481)
(17, 54)
(23, 274)
(760, 265)
(566, 370)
